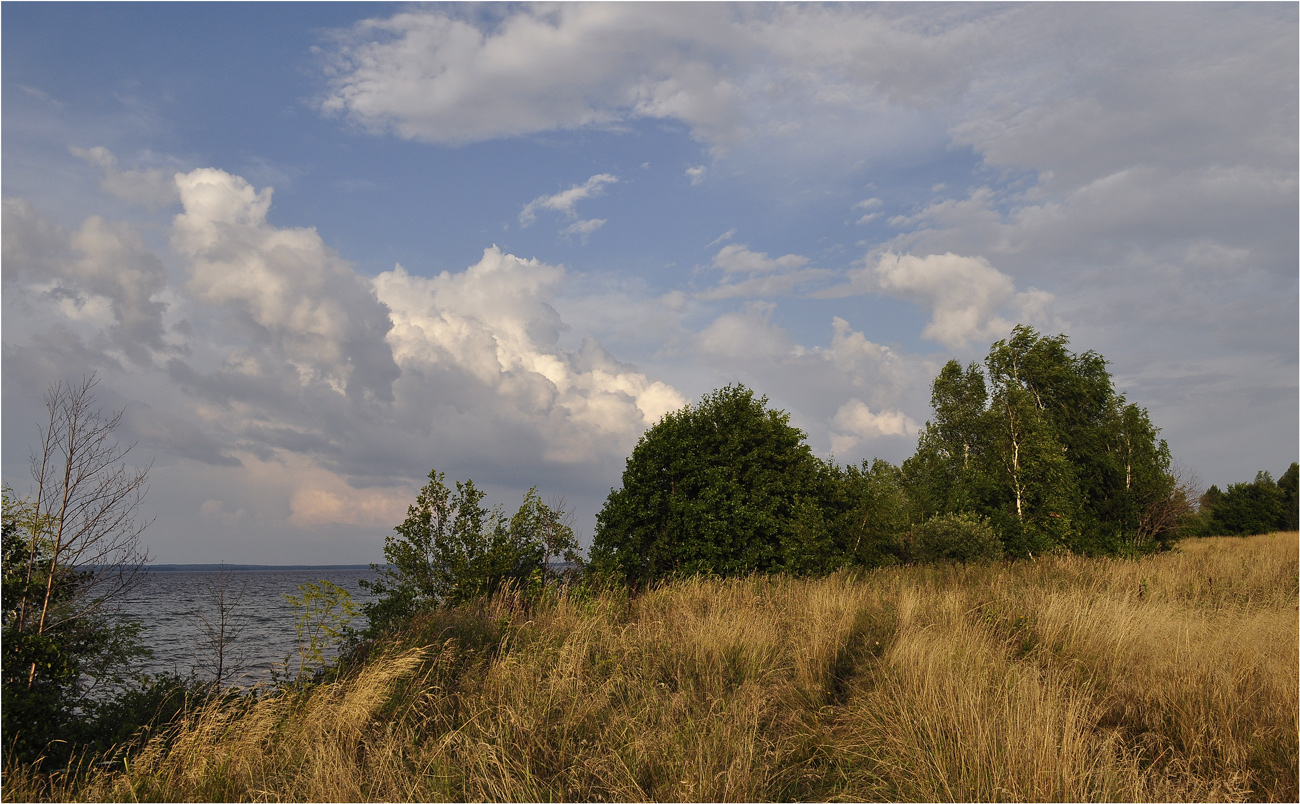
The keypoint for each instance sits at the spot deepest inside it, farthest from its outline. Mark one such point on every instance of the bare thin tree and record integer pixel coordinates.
(86, 521)
(220, 627)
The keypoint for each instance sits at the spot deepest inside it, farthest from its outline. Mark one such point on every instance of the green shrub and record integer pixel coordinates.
(955, 537)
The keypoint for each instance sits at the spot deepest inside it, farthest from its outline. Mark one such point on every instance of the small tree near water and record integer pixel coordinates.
(220, 628)
(321, 615)
(451, 549)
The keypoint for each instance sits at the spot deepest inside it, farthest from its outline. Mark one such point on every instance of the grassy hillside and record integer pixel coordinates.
(1172, 677)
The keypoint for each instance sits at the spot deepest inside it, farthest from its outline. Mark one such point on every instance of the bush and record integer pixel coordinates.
(955, 537)
(451, 549)
(726, 487)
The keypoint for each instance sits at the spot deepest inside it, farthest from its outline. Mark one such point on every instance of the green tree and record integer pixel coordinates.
(1290, 516)
(1249, 508)
(322, 612)
(1047, 451)
(725, 487)
(1029, 465)
(951, 469)
(869, 514)
(451, 549)
(546, 528)
(960, 537)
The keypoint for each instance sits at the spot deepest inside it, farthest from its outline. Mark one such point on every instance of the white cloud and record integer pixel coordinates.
(854, 422)
(431, 76)
(296, 301)
(101, 274)
(583, 228)
(492, 323)
(722, 238)
(747, 334)
(152, 187)
(763, 275)
(697, 174)
(737, 258)
(965, 295)
(565, 201)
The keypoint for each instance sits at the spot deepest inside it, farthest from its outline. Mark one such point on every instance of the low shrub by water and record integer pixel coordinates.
(1171, 677)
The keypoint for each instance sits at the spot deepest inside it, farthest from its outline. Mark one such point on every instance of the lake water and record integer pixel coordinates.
(170, 601)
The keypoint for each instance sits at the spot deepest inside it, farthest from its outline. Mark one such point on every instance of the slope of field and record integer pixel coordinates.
(1173, 677)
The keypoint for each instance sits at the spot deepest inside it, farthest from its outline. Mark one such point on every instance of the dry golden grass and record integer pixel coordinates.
(1173, 677)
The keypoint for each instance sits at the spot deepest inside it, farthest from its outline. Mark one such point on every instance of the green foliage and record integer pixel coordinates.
(1035, 447)
(725, 487)
(52, 678)
(1244, 509)
(452, 549)
(1290, 516)
(1047, 451)
(869, 510)
(955, 537)
(321, 616)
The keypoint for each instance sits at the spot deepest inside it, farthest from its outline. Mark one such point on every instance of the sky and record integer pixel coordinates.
(317, 250)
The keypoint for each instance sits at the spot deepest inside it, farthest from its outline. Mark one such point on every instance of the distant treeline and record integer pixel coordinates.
(1262, 506)
(1033, 453)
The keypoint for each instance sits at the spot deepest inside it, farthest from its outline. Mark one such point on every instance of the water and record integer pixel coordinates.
(169, 602)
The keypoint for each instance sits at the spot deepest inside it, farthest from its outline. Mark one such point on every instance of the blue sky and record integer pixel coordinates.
(316, 250)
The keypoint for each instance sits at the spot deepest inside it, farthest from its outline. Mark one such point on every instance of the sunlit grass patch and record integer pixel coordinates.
(1172, 677)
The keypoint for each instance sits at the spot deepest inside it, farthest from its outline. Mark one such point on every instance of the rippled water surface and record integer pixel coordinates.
(169, 604)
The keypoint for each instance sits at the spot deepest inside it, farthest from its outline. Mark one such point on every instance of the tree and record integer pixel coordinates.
(1250, 508)
(451, 549)
(547, 527)
(724, 487)
(1287, 483)
(1047, 451)
(321, 614)
(86, 510)
(219, 629)
(69, 555)
(958, 537)
(869, 514)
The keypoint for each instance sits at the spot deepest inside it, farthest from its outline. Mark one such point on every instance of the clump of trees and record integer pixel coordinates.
(1245, 509)
(451, 549)
(1041, 444)
(1035, 452)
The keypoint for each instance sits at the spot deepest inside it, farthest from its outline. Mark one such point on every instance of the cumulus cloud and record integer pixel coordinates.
(101, 274)
(966, 296)
(492, 324)
(565, 201)
(697, 174)
(747, 334)
(854, 422)
(151, 187)
(754, 273)
(437, 77)
(298, 305)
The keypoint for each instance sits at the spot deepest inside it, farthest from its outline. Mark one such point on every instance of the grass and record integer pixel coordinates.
(1172, 677)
